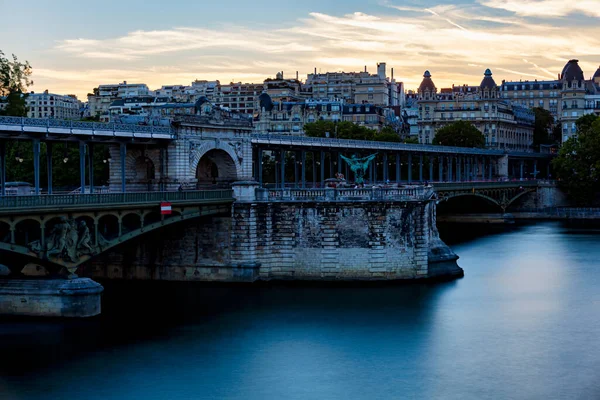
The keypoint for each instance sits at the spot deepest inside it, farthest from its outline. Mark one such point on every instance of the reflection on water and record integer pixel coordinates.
(522, 324)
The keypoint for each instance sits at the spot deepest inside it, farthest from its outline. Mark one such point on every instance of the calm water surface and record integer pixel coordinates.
(523, 324)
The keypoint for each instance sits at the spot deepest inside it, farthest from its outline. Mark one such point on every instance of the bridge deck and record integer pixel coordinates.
(9, 204)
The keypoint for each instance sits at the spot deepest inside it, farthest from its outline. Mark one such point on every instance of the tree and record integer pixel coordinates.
(14, 81)
(543, 128)
(578, 163)
(349, 130)
(459, 134)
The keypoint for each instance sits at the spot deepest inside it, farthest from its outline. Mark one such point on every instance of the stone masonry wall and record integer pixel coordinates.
(329, 241)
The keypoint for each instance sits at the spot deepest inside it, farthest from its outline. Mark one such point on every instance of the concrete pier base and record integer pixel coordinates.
(73, 298)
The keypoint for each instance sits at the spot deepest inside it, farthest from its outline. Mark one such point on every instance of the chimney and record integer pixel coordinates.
(315, 70)
(296, 75)
(365, 68)
(392, 73)
(281, 74)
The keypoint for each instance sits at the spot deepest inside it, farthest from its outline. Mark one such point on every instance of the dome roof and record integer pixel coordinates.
(597, 74)
(427, 83)
(488, 82)
(572, 71)
(265, 101)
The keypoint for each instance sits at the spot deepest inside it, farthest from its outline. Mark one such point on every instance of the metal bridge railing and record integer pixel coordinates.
(484, 185)
(104, 199)
(417, 193)
(87, 126)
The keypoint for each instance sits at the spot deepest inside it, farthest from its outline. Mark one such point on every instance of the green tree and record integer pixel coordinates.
(459, 134)
(349, 130)
(411, 140)
(543, 129)
(578, 163)
(14, 81)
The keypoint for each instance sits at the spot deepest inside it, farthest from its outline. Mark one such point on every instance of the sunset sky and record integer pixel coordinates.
(74, 46)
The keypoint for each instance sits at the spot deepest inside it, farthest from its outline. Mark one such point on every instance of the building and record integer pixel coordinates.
(103, 96)
(289, 118)
(357, 87)
(148, 110)
(567, 98)
(237, 97)
(504, 125)
(50, 105)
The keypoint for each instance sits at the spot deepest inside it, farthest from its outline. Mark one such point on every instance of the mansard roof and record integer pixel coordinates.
(572, 71)
(488, 82)
(427, 83)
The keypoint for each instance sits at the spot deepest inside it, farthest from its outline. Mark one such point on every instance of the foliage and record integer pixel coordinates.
(578, 163)
(64, 175)
(543, 129)
(411, 140)
(459, 134)
(14, 81)
(349, 130)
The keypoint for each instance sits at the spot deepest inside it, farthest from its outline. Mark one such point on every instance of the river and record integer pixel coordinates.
(524, 323)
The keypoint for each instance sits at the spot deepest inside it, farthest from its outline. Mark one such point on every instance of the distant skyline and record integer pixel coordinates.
(74, 47)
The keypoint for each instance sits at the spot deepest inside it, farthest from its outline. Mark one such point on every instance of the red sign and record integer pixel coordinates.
(165, 208)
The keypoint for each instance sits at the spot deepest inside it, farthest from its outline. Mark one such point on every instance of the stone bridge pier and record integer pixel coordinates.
(312, 234)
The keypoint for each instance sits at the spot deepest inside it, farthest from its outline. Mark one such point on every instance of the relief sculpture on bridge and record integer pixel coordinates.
(68, 241)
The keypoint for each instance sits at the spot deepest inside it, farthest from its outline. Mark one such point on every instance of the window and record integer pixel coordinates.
(370, 97)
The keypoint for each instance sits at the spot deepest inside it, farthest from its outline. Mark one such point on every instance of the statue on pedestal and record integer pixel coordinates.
(359, 166)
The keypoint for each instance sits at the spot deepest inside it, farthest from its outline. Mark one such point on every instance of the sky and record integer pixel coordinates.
(74, 46)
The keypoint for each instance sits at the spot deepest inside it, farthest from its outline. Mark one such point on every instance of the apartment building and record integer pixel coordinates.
(567, 98)
(103, 96)
(290, 117)
(357, 87)
(50, 105)
(503, 124)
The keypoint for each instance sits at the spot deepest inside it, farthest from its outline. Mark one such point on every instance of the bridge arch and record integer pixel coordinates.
(210, 159)
(454, 201)
(216, 166)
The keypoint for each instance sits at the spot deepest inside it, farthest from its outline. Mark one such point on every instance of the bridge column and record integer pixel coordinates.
(123, 151)
(91, 166)
(491, 171)
(259, 166)
(450, 174)
(49, 165)
(535, 170)
(441, 168)
(303, 166)
(421, 168)
(458, 169)
(385, 167)
(36, 165)
(322, 165)
(522, 166)
(314, 169)
(82, 166)
(339, 165)
(372, 170)
(468, 168)
(296, 165)
(398, 168)
(409, 168)
(282, 164)
(431, 167)
(483, 168)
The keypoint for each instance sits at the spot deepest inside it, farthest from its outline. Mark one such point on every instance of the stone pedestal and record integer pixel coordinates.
(245, 191)
(74, 298)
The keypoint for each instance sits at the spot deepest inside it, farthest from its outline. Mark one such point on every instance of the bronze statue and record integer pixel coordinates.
(359, 166)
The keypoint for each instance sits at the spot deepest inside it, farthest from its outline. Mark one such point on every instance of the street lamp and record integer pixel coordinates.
(66, 155)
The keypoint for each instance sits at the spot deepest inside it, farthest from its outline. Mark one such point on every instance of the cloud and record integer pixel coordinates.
(456, 43)
(546, 8)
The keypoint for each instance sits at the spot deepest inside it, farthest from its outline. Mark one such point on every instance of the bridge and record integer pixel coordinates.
(207, 150)
(276, 217)
(65, 231)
